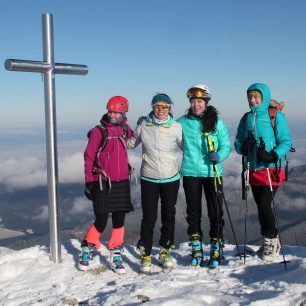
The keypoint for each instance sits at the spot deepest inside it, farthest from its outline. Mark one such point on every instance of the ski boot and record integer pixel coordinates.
(165, 259)
(140, 249)
(196, 250)
(145, 264)
(216, 253)
(116, 260)
(270, 249)
(86, 256)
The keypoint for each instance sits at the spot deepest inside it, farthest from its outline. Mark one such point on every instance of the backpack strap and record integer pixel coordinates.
(274, 107)
(244, 119)
(125, 131)
(104, 138)
(96, 169)
(272, 114)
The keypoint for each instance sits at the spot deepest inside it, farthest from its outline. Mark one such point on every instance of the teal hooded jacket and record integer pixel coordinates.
(196, 161)
(258, 122)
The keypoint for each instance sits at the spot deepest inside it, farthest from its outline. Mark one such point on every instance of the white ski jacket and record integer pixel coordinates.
(159, 147)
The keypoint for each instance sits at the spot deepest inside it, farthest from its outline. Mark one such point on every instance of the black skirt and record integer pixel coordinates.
(114, 198)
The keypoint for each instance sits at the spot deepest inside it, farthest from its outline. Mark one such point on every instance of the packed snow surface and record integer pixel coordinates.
(28, 277)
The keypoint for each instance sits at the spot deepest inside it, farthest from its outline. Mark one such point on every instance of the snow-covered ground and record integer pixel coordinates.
(28, 277)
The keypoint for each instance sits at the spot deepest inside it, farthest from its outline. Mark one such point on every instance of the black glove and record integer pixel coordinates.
(89, 188)
(248, 144)
(267, 157)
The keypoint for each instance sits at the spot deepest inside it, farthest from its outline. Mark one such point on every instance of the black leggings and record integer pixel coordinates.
(150, 194)
(193, 187)
(263, 198)
(101, 220)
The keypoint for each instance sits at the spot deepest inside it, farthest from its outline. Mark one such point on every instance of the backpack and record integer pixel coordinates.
(273, 107)
(104, 139)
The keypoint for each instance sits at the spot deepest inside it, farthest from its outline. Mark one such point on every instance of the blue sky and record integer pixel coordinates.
(137, 48)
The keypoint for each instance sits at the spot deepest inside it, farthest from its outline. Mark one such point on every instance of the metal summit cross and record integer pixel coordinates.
(49, 69)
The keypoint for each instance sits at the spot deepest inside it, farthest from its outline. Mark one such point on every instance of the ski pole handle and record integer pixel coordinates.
(218, 176)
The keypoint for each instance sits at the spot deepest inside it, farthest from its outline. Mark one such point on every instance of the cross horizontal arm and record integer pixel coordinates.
(26, 66)
(42, 67)
(60, 68)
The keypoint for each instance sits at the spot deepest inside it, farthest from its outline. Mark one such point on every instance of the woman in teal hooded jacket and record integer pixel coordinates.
(206, 144)
(265, 148)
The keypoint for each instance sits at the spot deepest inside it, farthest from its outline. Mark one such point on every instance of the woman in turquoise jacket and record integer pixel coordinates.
(206, 144)
(265, 148)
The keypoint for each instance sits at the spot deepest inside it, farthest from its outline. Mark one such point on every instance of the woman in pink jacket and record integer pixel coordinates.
(107, 182)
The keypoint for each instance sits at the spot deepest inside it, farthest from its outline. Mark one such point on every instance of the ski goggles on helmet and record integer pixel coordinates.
(254, 93)
(158, 106)
(196, 93)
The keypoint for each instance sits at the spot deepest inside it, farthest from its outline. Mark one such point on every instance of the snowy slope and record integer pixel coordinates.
(28, 277)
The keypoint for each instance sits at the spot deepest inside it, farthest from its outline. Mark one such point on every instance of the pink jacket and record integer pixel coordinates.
(113, 160)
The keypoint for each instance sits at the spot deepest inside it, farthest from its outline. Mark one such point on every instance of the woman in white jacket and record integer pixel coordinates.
(160, 135)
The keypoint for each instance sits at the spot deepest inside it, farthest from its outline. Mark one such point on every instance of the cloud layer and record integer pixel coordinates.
(29, 169)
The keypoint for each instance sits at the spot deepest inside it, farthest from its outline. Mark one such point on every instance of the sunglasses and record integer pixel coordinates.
(161, 106)
(196, 93)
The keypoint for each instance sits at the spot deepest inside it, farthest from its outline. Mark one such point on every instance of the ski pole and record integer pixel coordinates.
(211, 148)
(276, 220)
(231, 223)
(243, 193)
(246, 213)
(262, 146)
(245, 175)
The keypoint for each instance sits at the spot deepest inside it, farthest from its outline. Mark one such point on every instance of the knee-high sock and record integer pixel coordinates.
(116, 238)
(93, 236)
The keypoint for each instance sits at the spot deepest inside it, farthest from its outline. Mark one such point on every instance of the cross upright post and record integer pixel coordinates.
(48, 68)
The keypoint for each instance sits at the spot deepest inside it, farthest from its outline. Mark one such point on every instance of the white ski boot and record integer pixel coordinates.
(270, 249)
(116, 260)
(86, 256)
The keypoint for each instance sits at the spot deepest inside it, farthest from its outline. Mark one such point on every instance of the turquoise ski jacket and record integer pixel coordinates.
(258, 122)
(196, 161)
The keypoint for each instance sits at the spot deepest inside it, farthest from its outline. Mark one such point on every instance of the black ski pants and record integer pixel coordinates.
(193, 187)
(150, 194)
(263, 199)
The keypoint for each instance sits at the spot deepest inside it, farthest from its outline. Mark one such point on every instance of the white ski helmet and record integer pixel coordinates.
(200, 91)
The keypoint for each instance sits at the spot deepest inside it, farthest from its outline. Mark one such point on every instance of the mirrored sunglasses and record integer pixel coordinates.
(161, 106)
